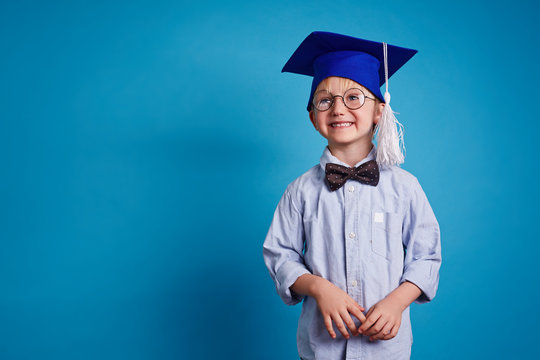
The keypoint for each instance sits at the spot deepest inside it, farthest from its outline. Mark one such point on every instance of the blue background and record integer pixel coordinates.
(145, 145)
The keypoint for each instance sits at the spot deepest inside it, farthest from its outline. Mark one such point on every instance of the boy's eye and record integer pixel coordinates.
(354, 98)
(325, 101)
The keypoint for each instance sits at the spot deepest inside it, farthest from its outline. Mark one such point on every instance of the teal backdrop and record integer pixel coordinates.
(145, 145)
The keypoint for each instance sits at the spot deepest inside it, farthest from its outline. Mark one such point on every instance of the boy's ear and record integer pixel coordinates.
(378, 112)
(312, 119)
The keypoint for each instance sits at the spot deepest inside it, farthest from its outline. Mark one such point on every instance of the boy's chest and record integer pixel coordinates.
(355, 217)
(353, 201)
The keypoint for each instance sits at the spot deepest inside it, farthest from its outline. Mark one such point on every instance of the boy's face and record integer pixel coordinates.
(340, 125)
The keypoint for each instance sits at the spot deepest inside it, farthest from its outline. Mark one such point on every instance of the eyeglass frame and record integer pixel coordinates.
(342, 99)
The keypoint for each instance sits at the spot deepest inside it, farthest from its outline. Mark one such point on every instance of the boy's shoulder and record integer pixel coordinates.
(312, 177)
(399, 174)
(400, 179)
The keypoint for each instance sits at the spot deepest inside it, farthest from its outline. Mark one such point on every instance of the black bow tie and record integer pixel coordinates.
(366, 173)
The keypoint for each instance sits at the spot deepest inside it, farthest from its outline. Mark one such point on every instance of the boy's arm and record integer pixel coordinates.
(283, 248)
(422, 240)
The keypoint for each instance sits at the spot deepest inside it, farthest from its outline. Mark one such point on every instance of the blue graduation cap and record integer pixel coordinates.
(323, 54)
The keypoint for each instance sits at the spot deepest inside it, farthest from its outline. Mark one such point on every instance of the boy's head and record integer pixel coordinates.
(329, 57)
(344, 111)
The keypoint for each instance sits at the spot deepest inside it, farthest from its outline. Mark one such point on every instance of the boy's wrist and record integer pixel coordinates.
(397, 299)
(315, 285)
(405, 294)
(308, 284)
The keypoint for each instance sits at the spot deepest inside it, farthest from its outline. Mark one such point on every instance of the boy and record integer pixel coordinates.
(354, 237)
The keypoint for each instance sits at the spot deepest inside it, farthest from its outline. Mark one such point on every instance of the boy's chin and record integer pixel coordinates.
(349, 142)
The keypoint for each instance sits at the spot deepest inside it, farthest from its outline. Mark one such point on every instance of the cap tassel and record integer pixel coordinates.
(389, 130)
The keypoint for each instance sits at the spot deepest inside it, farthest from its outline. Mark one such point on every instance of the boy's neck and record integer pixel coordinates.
(351, 154)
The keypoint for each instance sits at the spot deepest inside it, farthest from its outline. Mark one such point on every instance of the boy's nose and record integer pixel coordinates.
(338, 107)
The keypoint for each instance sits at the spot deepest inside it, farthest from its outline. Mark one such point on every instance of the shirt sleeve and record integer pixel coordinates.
(283, 248)
(421, 238)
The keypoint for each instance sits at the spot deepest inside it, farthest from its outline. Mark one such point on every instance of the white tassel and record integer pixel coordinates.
(389, 130)
(389, 137)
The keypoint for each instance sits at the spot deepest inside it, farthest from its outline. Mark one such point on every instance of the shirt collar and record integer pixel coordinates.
(327, 157)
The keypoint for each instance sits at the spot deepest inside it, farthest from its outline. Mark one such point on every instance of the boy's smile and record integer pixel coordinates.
(340, 124)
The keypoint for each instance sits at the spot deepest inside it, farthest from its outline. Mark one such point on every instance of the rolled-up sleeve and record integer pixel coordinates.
(421, 238)
(283, 248)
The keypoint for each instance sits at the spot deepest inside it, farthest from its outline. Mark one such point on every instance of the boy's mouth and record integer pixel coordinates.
(341, 124)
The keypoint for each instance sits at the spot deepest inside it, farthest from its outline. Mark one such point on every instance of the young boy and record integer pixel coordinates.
(354, 236)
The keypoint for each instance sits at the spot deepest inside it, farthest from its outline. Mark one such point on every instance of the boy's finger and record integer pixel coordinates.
(368, 314)
(384, 331)
(376, 327)
(357, 313)
(370, 320)
(392, 334)
(329, 327)
(349, 322)
(370, 311)
(359, 306)
(341, 327)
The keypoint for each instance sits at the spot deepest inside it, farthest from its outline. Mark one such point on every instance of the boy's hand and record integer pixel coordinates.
(336, 306)
(382, 320)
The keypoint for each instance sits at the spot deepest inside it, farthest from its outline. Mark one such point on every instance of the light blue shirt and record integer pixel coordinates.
(364, 239)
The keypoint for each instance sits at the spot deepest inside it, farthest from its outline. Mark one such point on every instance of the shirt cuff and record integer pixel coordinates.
(285, 277)
(422, 275)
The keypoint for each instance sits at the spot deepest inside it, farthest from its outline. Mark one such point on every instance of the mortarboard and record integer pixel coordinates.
(323, 54)
(369, 63)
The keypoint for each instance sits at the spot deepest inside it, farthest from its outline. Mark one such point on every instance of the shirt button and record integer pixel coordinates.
(352, 235)
(351, 188)
(354, 283)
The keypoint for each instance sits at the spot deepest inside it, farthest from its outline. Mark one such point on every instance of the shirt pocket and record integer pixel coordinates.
(386, 234)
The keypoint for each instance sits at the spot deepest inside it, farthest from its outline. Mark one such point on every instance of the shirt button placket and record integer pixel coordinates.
(353, 236)
(349, 235)
(351, 247)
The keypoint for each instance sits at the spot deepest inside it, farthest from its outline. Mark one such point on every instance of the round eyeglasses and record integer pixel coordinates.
(353, 99)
